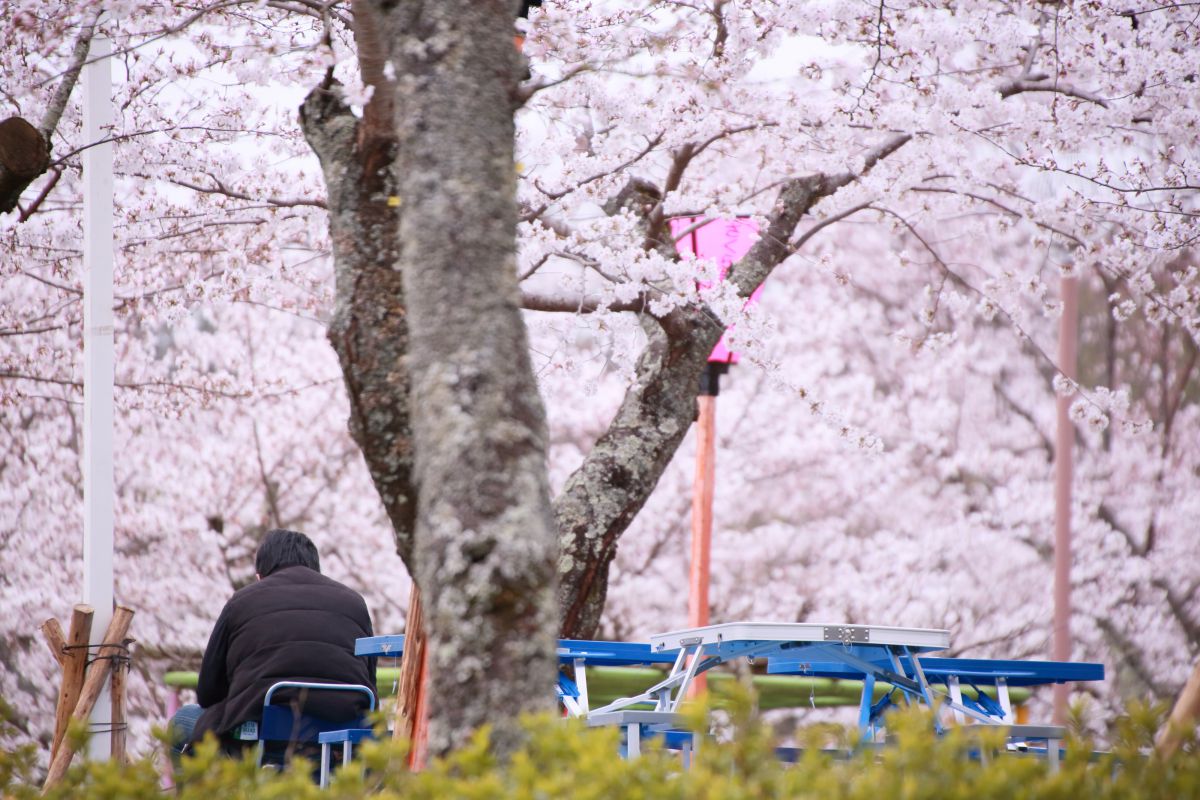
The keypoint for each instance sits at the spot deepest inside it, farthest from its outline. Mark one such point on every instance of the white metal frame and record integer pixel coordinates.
(701, 649)
(925, 639)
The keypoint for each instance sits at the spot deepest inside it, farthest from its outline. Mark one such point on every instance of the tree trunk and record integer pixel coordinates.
(369, 329)
(485, 543)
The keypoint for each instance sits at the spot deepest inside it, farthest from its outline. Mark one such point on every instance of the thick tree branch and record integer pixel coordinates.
(24, 155)
(372, 36)
(600, 498)
(656, 218)
(796, 198)
(79, 54)
(1024, 86)
(583, 303)
(25, 150)
(369, 329)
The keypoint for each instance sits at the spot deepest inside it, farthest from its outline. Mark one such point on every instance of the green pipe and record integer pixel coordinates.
(385, 680)
(606, 684)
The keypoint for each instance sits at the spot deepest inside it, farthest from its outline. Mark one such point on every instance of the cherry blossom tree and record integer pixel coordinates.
(922, 177)
(446, 356)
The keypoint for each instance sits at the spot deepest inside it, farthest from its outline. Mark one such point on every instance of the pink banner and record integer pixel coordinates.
(724, 241)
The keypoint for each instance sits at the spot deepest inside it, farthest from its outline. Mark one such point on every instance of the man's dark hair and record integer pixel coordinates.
(282, 548)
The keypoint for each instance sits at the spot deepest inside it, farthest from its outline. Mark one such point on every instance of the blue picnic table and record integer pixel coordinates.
(893, 657)
(578, 653)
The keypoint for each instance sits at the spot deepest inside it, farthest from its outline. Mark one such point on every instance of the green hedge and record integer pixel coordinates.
(564, 760)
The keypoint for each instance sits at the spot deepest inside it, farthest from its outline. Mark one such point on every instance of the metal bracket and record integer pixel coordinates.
(847, 634)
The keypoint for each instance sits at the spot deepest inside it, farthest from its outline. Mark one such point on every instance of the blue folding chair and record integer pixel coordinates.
(281, 723)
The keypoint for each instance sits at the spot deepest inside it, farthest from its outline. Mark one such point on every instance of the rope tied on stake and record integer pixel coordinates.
(121, 658)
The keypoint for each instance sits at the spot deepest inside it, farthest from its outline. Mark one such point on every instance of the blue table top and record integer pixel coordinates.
(593, 653)
(804, 661)
(611, 654)
(390, 646)
(774, 639)
(969, 670)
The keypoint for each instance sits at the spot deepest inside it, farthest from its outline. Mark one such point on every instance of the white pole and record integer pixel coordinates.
(98, 359)
(1064, 442)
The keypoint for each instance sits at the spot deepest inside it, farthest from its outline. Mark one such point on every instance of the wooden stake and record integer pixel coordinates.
(55, 639)
(120, 669)
(411, 711)
(74, 662)
(96, 676)
(1183, 717)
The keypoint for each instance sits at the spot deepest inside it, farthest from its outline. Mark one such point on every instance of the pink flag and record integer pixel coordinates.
(725, 241)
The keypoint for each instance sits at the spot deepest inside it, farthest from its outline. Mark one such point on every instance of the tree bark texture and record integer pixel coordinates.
(485, 542)
(603, 496)
(369, 329)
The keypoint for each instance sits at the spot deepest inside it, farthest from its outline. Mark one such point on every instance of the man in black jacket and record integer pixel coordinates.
(292, 624)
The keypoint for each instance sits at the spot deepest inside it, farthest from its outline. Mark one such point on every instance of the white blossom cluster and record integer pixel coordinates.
(886, 445)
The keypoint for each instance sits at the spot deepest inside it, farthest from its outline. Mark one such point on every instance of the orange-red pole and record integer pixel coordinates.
(412, 710)
(1064, 441)
(702, 499)
(702, 511)
(420, 740)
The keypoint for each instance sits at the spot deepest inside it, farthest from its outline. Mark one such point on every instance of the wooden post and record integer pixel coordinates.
(55, 640)
(74, 663)
(1183, 717)
(94, 683)
(412, 715)
(120, 670)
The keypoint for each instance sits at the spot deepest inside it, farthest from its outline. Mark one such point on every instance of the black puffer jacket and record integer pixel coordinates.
(295, 624)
